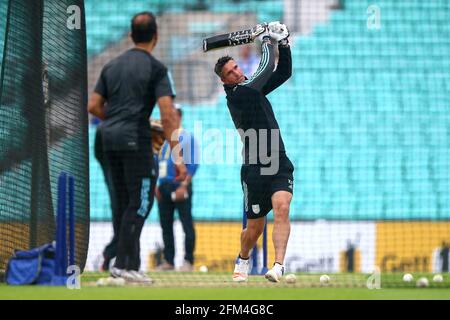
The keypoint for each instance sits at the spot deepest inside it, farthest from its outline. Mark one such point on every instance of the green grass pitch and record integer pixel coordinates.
(198, 286)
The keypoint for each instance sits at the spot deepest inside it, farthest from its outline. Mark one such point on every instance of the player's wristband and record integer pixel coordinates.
(284, 43)
(265, 39)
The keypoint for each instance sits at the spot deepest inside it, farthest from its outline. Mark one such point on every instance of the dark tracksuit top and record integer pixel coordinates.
(248, 105)
(251, 111)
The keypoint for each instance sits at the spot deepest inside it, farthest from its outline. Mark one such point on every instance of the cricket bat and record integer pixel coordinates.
(231, 39)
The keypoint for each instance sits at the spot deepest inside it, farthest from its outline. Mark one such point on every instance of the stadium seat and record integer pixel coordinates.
(364, 118)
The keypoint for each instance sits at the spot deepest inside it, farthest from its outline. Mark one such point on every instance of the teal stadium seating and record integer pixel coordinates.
(365, 116)
(108, 21)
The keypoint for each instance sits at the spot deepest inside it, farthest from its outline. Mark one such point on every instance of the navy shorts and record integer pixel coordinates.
(258, 189)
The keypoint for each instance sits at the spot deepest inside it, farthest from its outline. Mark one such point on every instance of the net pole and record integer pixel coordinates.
(264, 248)
(61, 226)
(71, 221)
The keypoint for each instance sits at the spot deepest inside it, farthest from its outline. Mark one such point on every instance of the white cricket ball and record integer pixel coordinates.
(324, 279)
(408, 277)
(203, 269)
(102, 282)
(115, 282)
(110, 281)
(438, 278)
(422, 282)
(120, 282)
(290, 278)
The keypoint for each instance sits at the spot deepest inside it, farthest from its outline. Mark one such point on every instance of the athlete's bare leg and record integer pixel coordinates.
(250, 235)
(281, 202)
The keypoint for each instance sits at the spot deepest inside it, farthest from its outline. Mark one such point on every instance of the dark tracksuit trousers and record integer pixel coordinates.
(133, 179)
(110, 250)
(166, 216)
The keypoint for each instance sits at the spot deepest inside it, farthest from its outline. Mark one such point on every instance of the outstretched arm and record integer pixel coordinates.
(280, 33)
(283, 72)
(171, 125)
(165, 93)
(265, 69)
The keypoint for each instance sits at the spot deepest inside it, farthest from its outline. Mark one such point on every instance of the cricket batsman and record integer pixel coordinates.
(267, 172)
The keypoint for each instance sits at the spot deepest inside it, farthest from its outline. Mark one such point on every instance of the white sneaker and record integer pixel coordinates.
(131, 276)
(241, 269)
(275, 274)
(165, 266)
(137, 277)
(186, 267)
(117, 273)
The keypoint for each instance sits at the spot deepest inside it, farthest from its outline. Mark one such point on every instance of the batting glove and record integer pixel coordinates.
(278, 32)
(260, 31)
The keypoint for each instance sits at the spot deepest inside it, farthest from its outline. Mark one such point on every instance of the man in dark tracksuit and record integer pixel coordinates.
(124, 98)
(267, 172)
(110, 250)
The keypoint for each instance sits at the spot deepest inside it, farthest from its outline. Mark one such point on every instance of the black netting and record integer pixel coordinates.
(43, 123)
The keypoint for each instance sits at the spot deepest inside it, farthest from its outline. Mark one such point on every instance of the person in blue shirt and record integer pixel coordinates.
(248, 60)
(172, 194)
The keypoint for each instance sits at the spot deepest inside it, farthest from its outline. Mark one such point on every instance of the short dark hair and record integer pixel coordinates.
(220, 63)
(143, 30)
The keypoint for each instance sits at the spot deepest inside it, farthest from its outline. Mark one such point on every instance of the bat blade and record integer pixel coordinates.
(228, 40)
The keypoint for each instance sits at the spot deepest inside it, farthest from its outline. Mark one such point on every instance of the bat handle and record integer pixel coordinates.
(205, 45)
